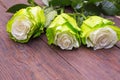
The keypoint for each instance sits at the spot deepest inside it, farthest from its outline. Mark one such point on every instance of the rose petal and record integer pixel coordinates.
(102, 38)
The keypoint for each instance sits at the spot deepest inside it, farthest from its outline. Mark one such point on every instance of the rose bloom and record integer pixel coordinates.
(102, 38)
(66, 41)
(20, 28)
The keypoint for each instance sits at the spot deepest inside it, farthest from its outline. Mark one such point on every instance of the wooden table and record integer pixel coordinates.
(37, 60)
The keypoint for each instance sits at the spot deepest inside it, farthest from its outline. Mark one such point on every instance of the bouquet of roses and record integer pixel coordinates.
(62, 30)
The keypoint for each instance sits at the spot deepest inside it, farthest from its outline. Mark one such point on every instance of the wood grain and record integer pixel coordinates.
(37, 60)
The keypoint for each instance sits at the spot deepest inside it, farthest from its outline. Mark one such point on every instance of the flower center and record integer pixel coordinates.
(102, 38)
(64, 41)
(20, 29)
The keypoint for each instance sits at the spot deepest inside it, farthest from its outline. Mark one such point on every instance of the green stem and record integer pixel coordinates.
(83, 16)
(62, 10)
(77, 14)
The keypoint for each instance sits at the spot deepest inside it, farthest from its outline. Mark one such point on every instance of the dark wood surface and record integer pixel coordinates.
(37, 60)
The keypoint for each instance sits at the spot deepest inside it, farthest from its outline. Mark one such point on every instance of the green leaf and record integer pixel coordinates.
(59, 2)
(117, 4)
(16, 8)
(32, 2)
(94, 1)
(77, 4)
(109, 8)
(79, 20)
(91, 9)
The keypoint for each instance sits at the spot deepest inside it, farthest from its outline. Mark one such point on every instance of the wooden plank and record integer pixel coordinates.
(95, 65)
(34, 61)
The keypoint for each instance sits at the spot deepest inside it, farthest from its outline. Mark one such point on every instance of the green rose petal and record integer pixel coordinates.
(66, 27)
(26, 23)
(92, 25)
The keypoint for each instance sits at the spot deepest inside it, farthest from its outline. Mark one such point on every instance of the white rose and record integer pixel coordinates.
(20, 28)
(102, 38)
(66, 41)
